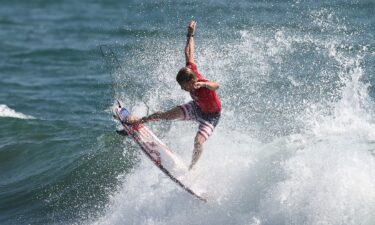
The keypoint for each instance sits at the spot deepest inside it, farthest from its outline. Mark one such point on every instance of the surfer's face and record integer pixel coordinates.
(187, 85)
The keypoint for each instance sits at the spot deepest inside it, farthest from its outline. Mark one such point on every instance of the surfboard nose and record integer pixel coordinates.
(123, 114)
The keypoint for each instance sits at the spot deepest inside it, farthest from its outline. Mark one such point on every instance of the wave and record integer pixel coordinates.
(295, 143)
(5, 111)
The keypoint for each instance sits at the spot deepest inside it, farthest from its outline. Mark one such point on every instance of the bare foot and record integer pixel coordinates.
(132, 119)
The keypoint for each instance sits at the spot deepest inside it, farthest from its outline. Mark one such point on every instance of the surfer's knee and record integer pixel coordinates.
(199, 140)
(198, 146)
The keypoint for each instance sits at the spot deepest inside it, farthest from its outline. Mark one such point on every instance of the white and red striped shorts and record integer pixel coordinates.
(207, 121)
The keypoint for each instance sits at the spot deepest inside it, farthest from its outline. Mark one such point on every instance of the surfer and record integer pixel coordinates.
(205, 107)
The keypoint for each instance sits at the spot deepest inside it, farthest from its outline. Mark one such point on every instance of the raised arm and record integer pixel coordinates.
(189, 48)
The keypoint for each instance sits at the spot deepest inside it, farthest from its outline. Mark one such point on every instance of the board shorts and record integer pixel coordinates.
(207, 121)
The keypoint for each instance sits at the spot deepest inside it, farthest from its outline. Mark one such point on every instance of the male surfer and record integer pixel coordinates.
(205, 107)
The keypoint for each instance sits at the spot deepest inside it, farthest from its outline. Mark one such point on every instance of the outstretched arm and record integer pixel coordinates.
(189, 48)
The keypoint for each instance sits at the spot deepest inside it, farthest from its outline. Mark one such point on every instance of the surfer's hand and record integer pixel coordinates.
(191, 27)
(199, 84)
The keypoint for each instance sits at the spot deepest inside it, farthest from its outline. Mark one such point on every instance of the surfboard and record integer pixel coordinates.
(162, 156)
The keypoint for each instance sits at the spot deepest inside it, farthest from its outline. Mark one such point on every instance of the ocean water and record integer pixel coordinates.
(295, 144)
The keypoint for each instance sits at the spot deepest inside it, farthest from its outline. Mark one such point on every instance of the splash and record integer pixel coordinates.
(295, 143)
(5, 111)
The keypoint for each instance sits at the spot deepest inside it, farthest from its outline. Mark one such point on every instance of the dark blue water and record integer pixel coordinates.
(295, 144)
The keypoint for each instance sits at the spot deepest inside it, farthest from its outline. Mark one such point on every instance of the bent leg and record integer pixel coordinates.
(204, 132)
(172, 114)
(198, 149)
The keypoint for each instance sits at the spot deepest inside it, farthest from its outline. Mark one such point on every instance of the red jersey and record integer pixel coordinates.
(207, 100)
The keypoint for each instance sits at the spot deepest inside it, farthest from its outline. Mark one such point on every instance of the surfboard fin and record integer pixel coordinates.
(118, 104)
(122, 132)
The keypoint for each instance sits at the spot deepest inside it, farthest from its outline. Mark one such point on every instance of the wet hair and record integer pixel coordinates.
(185, 74)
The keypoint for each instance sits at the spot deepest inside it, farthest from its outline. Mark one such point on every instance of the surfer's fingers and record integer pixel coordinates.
(191, 26)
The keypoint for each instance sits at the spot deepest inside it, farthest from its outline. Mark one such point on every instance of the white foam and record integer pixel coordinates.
(148, 197)
(323, 175)
(329, 181)
(5, 111)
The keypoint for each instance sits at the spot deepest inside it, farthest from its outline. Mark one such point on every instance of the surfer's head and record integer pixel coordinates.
(186, 78)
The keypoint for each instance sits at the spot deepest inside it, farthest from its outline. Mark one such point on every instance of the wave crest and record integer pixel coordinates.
(5, 111)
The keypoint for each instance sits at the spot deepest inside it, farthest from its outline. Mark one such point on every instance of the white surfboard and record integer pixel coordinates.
(162, 156)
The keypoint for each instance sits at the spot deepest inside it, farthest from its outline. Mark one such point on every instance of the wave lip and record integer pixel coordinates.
(5, 111)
